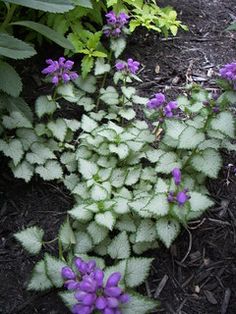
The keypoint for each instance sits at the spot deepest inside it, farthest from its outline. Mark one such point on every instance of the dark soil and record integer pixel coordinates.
(198, 274)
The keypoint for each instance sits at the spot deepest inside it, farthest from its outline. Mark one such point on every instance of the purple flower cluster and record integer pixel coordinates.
(130, 66)
(115, 24)
(158, 102)
(228, 72)
(91, 293)
(182, 196)
(60, 71)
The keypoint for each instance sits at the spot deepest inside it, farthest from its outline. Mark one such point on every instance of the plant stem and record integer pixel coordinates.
(8, 17)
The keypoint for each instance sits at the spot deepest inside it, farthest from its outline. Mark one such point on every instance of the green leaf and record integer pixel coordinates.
(121, 206)
(133, 175)
(199, 202)
(14, 48)
(126, 223)
(232, 27)
(80, 213)
(119, 247)
(138, 305)
(87, 168)
(86, 65)
(46, 31)
(122, 150)
(13, 149)
(84, 3)
(10, 81)
(53, 270)
(208, 162)
(224, 122)
(66, 234)
(72, 124)
(190, 138)
(88, 85)
(58, 129)
(117, 46)
(97, 232)
(16, 120)
(101, 67)
(105, 219)
(68, 297)
(50, 171)
(88, 124)
(55, 6)
(109, 95)
(84, 243)
(39, 154)
(167, 163)
(27, 137)
(39, 280)
(128, 91)
(44, 105)
(167, 230)
(99, 192)
(146, 231)
(31, 239)
(71, 181)
(158, 205)
(24, 171)
(128, 114)
(137, 270)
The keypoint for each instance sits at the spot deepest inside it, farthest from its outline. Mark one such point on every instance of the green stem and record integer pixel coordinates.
(60, 250)
(8, 17)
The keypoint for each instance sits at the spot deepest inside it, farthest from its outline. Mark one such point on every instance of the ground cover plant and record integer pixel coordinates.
(132, 187)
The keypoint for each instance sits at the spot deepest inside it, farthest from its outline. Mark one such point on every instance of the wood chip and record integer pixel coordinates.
(161, 286)
(210, 297)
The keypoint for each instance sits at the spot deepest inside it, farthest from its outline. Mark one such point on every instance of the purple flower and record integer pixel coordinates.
(171, 197)
(176, 173)
(228, 72)
(182, 198)
(133, 66)
(120, 65)
(91, 292)
(67, 273)
(111, 18)
(115, 24)
(156, 102)
(60, 71)
(169, 107)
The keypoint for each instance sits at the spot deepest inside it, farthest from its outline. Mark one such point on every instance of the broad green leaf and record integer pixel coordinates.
(137, 270)
(167, 163)
(158, 205)
(109, 95)
(118, 46)
(139, 206)
(119, 247)
(126, 223)
(83, 3)
(88, 85)
(199, 202)
(167, 230)
(190, 138)
(53, 270)
(80, 213)
(99, 192)
(12, 149)
(31, 239)
(66, 234)
(10, 81)
(122, 150)
(24, 171)
(44, 105)
(86, 65)
(50, 171)
(39, 280)
(16, 120)
(55, 6)
(39, 154)
(121, 206)
(101, 67)
(212, 143)
(84, 243)
(105, 219)
(88, 124)
(161, 186)
(87, 168)
(68, 297)
(68, 159)
(153, 155)
(146, 231)
(14, 48)
(97, 232)
(224, 122)
(128, 91)
(58, 129)
(138, 305)
(27, 137)
(72, 124)
(71, 181)
(208, 162)
(128, 114)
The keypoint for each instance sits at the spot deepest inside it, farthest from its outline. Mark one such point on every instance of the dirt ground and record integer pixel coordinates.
(198, 274)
